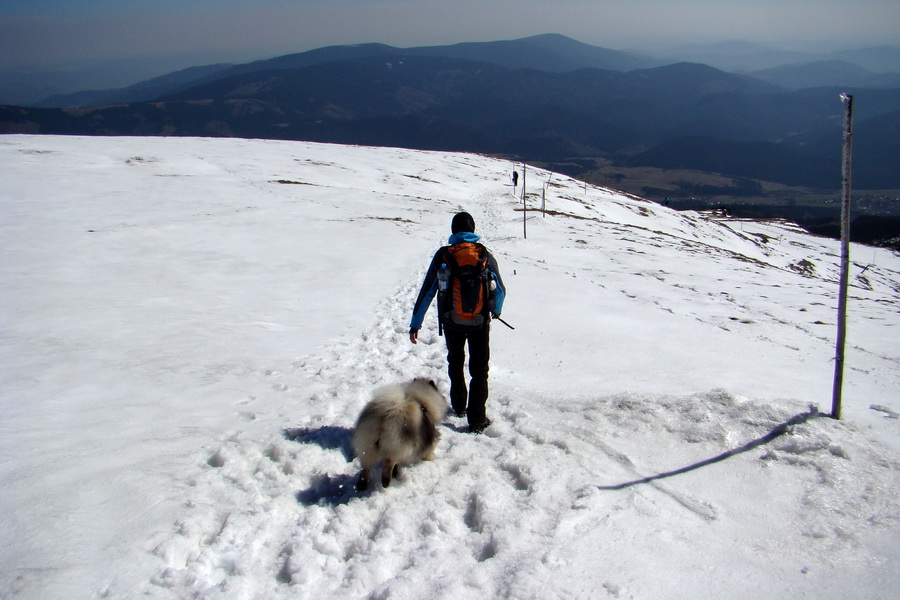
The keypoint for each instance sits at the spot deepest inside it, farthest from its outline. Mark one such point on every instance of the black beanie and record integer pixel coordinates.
(462, 222)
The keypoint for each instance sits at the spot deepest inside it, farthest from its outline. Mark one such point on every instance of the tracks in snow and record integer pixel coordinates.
(277, 515)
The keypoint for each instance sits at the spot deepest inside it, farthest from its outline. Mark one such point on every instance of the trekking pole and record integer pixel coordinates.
(504, 322)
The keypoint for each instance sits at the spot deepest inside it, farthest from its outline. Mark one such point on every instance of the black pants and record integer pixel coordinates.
(471, 400)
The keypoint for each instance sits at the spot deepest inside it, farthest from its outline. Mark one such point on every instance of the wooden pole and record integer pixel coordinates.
(845, 258)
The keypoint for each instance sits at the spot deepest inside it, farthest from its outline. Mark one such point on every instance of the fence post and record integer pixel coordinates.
(845, 258)
(524, 205)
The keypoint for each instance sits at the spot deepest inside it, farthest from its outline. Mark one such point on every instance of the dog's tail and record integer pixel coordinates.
(428, 433)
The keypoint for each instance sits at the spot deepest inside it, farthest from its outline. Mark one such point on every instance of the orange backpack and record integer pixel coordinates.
(464, 299)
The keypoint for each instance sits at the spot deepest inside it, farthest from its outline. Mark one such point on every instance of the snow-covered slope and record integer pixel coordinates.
(189, 328)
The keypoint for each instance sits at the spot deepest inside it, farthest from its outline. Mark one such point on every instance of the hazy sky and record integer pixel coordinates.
(36, 34)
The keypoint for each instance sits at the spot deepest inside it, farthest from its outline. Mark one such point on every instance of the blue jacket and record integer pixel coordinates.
(430, 284)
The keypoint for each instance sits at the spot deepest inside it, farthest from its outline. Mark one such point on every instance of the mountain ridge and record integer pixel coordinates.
(551, 52)
(421, 98)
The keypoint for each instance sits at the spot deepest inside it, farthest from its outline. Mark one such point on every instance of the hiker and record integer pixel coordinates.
(470, 291)
(515, 179)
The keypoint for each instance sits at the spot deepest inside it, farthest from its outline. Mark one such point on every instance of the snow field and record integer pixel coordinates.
(191, 326)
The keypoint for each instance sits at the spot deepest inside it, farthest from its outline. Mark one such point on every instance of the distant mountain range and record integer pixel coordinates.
(550, 52)
(825, 74)
(545, 98)
(744, 57)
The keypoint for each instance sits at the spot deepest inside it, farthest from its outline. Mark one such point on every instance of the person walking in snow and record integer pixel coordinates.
(465, 276)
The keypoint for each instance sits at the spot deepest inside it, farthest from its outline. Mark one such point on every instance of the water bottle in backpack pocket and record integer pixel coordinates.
(443, 277)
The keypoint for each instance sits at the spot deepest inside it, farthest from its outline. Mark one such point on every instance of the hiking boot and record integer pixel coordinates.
(480, 427)
(459, 413)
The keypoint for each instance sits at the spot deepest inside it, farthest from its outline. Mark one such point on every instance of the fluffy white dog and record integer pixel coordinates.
(398, 427)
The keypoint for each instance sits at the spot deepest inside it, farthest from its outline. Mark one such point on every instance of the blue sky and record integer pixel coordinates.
(36, 34)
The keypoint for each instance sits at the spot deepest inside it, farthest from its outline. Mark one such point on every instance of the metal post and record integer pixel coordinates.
(524, 206)
(845, 258)
(544, 195)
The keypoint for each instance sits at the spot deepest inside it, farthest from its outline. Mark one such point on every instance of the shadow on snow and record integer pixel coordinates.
(776, 432)
(330, 490)
(326, 489)
(328, 437)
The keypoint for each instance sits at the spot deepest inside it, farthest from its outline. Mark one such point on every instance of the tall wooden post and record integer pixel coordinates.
(845, 258)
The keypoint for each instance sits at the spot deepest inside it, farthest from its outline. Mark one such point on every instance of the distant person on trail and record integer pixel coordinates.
(515, 179)
(470, 292)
